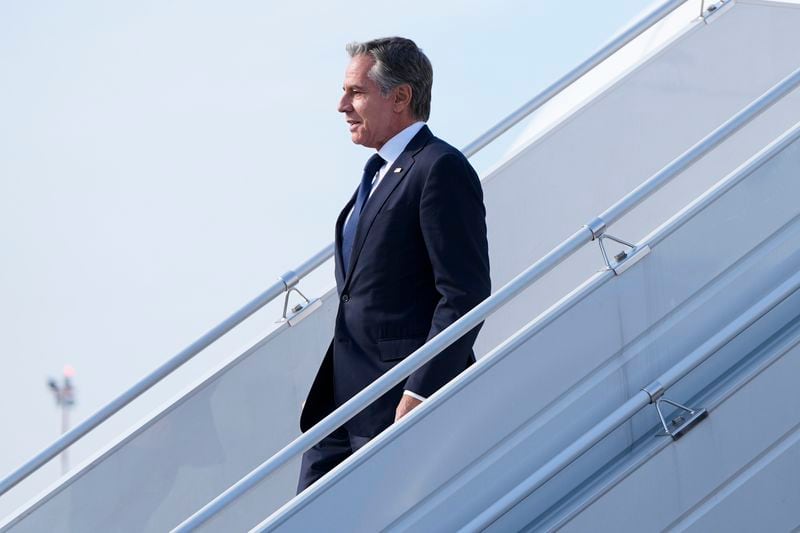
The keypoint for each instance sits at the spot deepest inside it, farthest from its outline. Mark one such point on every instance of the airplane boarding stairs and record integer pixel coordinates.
(561, 374)
(540, 385)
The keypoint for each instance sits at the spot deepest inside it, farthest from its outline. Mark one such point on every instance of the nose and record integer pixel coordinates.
(344, 104)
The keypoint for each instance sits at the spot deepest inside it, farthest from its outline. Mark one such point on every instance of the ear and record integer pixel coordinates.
(402, 98)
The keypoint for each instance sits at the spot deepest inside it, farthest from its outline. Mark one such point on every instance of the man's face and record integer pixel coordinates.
(368, 113)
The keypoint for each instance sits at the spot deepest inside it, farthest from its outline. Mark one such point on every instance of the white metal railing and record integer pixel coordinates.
(291, 278)
(626, 411)
(595, 229)
(623, 37)
(513, 342)
(284, 283)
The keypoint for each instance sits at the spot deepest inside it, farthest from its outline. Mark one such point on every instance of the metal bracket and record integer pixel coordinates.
(708, 14)
(655, 390)
(290, 279)
(597, 227)
(623, 260)
(620, 256)
(679, 425)
(299, 311)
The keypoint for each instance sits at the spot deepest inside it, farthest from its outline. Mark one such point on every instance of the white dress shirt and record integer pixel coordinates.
(390, 151)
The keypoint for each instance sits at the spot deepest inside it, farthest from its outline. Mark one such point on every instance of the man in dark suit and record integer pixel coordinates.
(411, 252)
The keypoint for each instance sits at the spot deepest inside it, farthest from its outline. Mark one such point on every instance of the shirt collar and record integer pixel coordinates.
(392, 148)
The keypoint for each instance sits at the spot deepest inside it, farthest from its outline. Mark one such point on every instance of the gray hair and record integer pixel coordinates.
(399, 61)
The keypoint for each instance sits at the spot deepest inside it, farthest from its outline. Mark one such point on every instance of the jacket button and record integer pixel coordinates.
(345, 298)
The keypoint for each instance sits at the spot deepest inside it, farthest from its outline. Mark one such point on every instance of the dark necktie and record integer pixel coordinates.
(349, 233)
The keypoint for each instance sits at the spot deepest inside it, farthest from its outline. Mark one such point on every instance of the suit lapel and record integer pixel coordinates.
(388, 184)
(373, 207)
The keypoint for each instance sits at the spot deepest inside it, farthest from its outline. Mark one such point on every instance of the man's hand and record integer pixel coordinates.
(407, 403)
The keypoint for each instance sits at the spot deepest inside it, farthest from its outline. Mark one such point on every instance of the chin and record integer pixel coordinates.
(361, 137)
(360, 140)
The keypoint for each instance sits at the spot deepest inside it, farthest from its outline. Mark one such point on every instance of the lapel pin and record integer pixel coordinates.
(397, 170)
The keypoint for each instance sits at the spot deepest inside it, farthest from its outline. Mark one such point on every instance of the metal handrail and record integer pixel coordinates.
(284, 283)
(594, 230)
(288, 280)
(513, 342)
(635, 404)
(607, 50)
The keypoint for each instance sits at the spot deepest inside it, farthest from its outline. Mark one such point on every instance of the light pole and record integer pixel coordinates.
(65, 398)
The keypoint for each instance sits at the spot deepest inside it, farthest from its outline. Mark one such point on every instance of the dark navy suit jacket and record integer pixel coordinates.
(419, 262)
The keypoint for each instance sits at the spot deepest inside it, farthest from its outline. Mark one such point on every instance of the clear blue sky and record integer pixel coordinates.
(162, 162)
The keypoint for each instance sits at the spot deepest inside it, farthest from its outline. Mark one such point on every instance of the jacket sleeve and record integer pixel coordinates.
(453, 223)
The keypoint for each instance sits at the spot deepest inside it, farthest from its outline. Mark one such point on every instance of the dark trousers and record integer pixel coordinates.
(326, 454)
